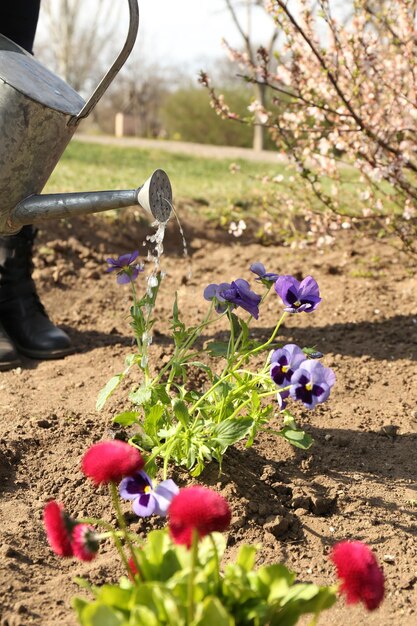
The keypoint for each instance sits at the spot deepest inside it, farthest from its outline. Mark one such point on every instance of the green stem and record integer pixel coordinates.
(123, 527)
(234, 370)
(179, 351)
(172, 444)
(231, 346)
(209, 391)
(217, 563)
(166, 444)
(194, 557)
(264, 345)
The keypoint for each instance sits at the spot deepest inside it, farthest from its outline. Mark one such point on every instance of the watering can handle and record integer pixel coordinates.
(115, 68)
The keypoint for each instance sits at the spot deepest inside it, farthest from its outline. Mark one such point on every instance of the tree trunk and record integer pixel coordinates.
(259, 129)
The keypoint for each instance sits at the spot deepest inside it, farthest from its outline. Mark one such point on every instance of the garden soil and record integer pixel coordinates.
(358, 480)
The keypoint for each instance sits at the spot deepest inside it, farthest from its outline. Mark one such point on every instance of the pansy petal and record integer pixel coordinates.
(144, 505)
(309, 287)
(132, 486)
(283, 285)
(133, 256)
(258, 268)
(210, 291)
(241, 284)
(123, 278)
(163, 495)
(221, 291)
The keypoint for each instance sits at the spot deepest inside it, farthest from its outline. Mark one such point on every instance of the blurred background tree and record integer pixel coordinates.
(249, 48)
(76, 48)
(79, 40)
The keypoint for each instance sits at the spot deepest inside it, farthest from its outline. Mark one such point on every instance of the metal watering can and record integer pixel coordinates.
(39, 113)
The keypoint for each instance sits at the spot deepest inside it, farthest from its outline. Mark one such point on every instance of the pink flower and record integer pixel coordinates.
(197, 508)
(110, 461)
(84, 542)
(58, 526)
(362, 578)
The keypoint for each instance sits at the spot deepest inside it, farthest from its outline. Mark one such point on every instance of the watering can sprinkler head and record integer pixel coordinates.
(39, 114)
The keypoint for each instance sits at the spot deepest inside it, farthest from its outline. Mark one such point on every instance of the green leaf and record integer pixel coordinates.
(273, 581)
(152, 421)
(255, 401)
(217, 348)
(297, 438)
(142, 395)
(175, 314)
(211, 611)
(312, 353)
(108, 389)
(203, 367)
(113, 595)
(181, 412)
(301, 599)
(235, 323)
(160, 393)
(96, 614)
(82, 582)
(246, 557)
(144, 616)
(289, 420)
(231, 430)
(127, 418)
(79, 605)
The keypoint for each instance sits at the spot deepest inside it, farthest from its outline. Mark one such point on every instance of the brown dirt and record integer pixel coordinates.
(357, 481)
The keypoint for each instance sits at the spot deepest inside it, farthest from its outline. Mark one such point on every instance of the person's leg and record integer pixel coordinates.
(23, 319)
(21, 313)
(18, 21)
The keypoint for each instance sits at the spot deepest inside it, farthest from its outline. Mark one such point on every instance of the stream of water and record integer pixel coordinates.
(154, 256)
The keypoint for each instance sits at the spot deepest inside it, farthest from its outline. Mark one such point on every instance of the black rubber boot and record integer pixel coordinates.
(21, 313)
(8, 355)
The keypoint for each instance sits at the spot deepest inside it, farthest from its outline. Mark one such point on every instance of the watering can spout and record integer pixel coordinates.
(155, 196)
(39, 113)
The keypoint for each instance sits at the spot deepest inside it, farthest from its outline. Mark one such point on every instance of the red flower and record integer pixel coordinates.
(58, 526)
(110, 461)
(200, 509)
(357, 567)
(84, 542)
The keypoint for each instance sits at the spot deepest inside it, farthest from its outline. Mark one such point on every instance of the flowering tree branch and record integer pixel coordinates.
(344, 90)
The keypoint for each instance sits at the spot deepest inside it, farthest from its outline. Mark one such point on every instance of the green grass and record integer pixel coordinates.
(204, 185)
(87, 167)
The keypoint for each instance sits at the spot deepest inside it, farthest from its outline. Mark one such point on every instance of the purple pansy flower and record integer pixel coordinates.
(298, 296)
(237, 293)
(311, 383)
(284, 362)
(147, 500)
(124, 265)
(213, 292)
(265, 277)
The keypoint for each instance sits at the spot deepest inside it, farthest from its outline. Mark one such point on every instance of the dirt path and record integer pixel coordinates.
(193, 149)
